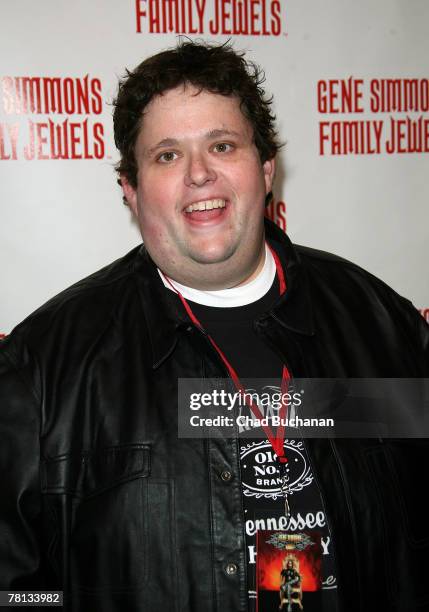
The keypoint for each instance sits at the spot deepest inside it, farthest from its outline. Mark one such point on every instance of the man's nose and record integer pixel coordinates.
(199, 170)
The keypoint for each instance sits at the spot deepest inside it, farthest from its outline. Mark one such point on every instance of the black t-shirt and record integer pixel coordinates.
(234, 332)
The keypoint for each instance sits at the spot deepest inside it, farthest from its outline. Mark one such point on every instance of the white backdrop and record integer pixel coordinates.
(326, 64)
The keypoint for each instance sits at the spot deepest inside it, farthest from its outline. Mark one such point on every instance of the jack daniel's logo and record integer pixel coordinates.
(260, 473)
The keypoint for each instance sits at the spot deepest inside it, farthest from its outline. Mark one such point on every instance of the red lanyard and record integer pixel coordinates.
(276, 439)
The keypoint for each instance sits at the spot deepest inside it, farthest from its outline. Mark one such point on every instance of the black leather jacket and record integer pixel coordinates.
(100, 498)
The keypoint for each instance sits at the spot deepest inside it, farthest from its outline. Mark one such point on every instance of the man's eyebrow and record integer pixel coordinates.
(165, 142)
(172, 142)
(219, 133)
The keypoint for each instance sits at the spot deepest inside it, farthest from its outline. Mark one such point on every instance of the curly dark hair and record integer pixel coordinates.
(216, 68)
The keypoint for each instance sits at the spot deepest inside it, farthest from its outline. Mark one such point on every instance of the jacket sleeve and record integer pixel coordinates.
(20, 495)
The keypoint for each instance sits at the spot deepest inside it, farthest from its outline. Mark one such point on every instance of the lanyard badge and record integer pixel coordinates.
(288, 571)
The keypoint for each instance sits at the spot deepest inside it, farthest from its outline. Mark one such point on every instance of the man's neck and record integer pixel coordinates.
(251, 290)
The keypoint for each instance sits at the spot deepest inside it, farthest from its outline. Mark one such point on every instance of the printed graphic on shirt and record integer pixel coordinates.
(288, 571)
(260, 472)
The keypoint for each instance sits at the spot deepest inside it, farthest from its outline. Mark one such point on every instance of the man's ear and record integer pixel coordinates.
(269, 170)
(130, 194)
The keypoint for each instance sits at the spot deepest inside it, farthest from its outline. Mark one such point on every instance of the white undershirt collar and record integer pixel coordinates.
(236, 296)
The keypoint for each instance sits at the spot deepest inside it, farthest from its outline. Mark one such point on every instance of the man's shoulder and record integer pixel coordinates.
(328, 267)
(327, 259)
(358, 290)
(342, 283)
(329, 270)
(87, 303)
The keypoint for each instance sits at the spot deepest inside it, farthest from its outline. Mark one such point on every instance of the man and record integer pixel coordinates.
(290, 584)
(100, 496)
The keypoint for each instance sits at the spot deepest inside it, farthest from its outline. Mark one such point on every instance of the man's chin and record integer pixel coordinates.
(215, 274)
(213, 257)
(210, 266)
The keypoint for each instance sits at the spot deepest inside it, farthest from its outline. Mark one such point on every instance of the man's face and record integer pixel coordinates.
(201, 189)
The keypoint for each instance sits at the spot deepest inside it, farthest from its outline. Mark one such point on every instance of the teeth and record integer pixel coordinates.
(206, 205)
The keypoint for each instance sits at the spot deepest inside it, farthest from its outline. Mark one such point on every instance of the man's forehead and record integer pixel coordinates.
(188, 112)
(194, 98)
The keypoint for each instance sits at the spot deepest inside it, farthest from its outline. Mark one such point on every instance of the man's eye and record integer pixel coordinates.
(166, 157)
(223, 147)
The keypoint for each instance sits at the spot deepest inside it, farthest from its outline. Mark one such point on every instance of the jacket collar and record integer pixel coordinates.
(293, 309)
(166, 319)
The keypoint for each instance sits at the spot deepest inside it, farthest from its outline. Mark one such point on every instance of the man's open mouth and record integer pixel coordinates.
(205, 210)
(205, 205)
